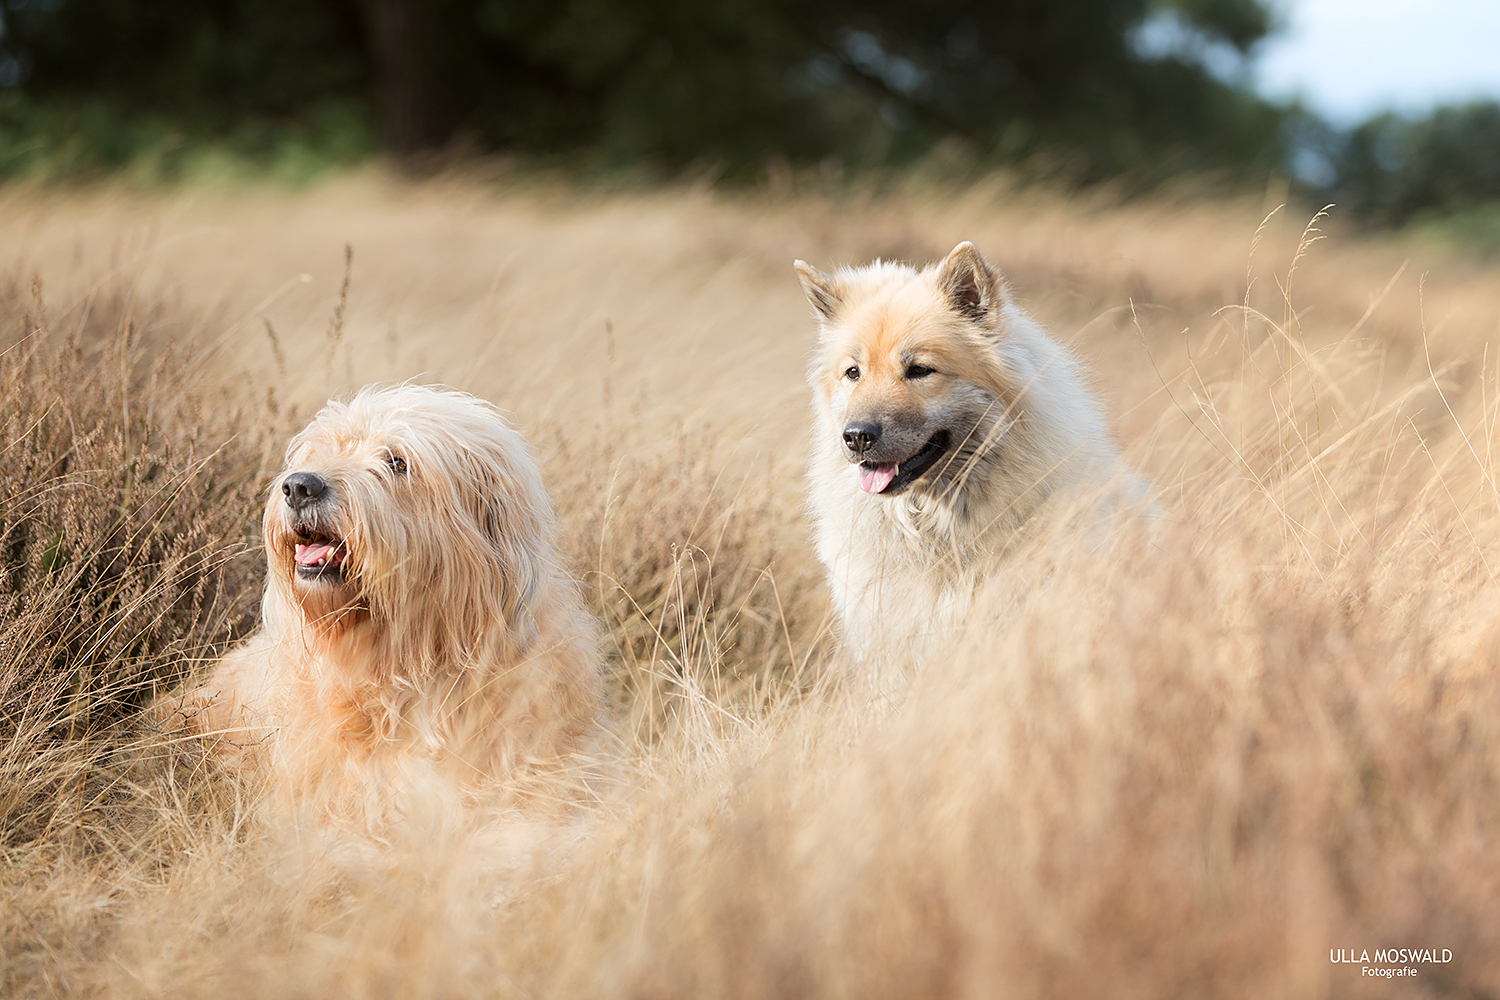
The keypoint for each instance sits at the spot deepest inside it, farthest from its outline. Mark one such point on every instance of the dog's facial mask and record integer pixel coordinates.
(319, 519)
(905, 367)
(417, 511)
(318, 550)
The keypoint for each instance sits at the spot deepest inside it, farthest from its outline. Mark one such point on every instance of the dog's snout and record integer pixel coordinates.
(860, 437)
(302, 488)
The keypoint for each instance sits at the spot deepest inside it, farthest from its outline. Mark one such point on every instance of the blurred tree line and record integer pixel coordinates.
(1076, 89)
(1393, 169)
(668, 83)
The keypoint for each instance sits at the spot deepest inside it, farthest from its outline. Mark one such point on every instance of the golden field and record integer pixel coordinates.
(1194, 765)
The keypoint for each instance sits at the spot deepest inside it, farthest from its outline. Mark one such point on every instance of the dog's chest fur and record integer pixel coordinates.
(901, 570)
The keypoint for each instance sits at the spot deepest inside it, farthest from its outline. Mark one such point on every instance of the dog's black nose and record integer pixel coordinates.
(859, 438)
(301, 489)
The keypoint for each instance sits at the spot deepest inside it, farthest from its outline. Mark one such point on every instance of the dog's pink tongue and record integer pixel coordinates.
(873, 479)
(311, 555)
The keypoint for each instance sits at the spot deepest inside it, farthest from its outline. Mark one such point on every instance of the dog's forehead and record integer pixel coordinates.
(892, 329)
(344, 433)
(412, 422)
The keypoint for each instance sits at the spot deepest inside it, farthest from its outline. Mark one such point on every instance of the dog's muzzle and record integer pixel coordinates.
(890, 478)
(319, 554)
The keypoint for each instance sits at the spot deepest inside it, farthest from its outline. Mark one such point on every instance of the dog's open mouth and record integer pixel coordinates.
(320, 557)
(890, 478)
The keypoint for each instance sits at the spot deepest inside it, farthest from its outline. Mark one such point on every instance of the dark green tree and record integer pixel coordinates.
(670, 82)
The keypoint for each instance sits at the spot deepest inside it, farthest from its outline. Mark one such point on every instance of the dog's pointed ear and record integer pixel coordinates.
(973, 288)
(822, 290)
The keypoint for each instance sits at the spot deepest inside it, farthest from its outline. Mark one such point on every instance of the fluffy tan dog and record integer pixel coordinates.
(949, 428)
(417, 625)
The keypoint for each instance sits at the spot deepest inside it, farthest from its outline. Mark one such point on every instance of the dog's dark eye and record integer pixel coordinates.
(397, 464)
(852, 373)
(918, 371)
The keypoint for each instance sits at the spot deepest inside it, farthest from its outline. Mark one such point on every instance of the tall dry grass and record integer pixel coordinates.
(1185, 765)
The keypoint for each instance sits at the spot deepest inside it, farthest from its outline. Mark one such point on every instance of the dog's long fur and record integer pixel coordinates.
(449, 643)
(939, 362)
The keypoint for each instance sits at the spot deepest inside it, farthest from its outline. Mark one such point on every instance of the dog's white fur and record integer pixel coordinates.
(455, 647)
(1031, 442)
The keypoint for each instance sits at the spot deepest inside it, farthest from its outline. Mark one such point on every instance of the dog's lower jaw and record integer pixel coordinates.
(329, 609)
(908, 471)
(324, 575)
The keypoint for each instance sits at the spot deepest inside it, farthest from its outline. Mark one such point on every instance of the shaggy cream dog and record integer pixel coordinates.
(949, 428)
(417, 624)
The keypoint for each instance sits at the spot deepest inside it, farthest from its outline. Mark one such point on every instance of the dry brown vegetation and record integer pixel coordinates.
(1190, 766)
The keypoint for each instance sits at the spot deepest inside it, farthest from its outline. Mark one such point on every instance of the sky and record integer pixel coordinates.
(1349, 59)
